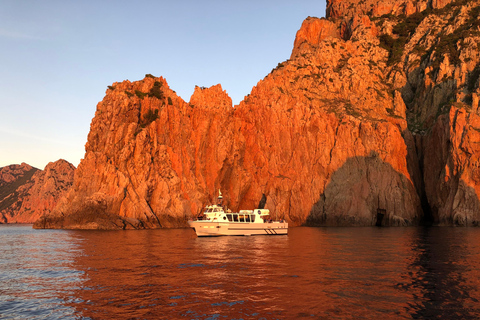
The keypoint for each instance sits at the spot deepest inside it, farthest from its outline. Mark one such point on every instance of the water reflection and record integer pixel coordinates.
(334, 273)
(441, 273)
(171, 273)
(36, 277)
(320, 273)
(350, 273)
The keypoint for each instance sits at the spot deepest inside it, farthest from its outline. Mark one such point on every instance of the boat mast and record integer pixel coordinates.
(220, 198)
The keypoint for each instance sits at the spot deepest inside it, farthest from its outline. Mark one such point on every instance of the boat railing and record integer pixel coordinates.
(244, 216)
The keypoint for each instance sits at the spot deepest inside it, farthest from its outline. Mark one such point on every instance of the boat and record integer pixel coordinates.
(217, 221)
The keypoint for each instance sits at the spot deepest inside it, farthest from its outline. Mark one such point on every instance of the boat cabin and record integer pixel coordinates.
(216, 213)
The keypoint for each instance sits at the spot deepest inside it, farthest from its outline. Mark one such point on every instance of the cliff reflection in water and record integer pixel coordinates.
(443, 275)
(337, 273)
(332, 273)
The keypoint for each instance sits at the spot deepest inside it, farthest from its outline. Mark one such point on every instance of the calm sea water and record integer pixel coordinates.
(316, 273)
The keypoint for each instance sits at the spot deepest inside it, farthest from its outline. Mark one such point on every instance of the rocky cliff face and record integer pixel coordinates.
(452, 168)
(151, 159)
(324, 136)
(27, 193)
(12, 178)
(348, 10)
(377, 108)
(434, 61)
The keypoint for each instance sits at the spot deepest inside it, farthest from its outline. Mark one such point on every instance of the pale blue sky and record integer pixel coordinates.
(58, 57)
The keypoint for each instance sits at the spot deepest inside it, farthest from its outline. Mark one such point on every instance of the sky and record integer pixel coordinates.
(58, 57)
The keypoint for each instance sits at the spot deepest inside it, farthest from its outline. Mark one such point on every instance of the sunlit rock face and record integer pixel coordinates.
(375, 111)
(152, 160)
(348, 9)
(26, 193)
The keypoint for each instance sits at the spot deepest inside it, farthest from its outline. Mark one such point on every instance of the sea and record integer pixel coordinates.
(311, 273)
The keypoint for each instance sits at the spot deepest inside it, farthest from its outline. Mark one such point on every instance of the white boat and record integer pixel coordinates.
(215, 221)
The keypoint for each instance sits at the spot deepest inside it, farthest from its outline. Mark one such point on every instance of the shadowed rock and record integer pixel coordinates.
(359, 188)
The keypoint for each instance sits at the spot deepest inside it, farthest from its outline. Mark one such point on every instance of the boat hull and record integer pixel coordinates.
(213, 229)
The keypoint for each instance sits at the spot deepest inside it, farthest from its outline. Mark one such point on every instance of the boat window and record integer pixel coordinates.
(247, 218)
(252, 218)
(229, 217)
(235, 217)
(217, 210)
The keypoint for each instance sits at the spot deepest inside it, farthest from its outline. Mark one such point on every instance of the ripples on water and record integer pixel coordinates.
(318, 273)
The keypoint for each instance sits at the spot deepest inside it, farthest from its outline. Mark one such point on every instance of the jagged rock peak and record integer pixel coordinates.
(313, 31)
(12, 172)
(349, 9)
(60, 170)
(213, 98)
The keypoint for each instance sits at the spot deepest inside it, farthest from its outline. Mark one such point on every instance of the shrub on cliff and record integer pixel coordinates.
(393, 46)
(149, 117)
(402, 31)
(156, 91)
(140, 94)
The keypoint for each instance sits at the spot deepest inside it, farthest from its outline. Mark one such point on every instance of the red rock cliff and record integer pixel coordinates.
(351, 8)
(152, 160)
(437, 71)
(28, 193)
(375, 109)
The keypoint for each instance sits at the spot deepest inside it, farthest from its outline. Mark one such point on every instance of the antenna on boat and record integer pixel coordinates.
(220, 198)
